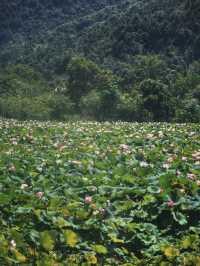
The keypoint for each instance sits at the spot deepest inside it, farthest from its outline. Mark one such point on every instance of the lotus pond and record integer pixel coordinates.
(87, 193)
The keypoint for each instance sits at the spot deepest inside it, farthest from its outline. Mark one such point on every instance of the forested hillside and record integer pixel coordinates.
(29, 17)
(134, 60)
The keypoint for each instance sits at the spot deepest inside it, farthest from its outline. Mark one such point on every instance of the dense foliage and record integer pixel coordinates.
(133, 60)
(99, 194)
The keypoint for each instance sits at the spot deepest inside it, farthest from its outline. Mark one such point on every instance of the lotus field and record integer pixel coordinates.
(87, 193)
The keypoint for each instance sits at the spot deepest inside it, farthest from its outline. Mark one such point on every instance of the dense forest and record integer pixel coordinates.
(134, 60)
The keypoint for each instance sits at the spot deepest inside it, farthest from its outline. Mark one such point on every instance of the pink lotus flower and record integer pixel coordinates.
(198, 183)
(124, 147)
(166, 165)
(93, 189)
(102, 211)
(170, 203)
(170, 159)
(191, 176)
(61, 147)
(178, 173)
(88, 200)
(23, 186)
(184, 158)
(108, 203)
(39, 194)
(14, 142)
(161, 190)
(150, 136)
(13, 244)
(196, 155)
(12, 168)
(144, 164)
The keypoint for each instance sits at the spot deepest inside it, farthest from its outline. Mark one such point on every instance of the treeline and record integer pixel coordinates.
(151, 90)
(133, 60)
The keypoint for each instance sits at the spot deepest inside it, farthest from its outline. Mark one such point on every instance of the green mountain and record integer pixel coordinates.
(141, 54)
(30, 17)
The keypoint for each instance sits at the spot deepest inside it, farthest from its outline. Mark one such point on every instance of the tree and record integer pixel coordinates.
(157, 99)
(129, 107)
(90, 104)
(188, 111)
(60, 106)
(83, 77)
